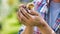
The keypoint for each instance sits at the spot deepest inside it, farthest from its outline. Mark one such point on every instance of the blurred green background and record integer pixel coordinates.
(9, 23)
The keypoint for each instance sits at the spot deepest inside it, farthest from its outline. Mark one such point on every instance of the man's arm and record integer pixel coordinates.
(46, 29)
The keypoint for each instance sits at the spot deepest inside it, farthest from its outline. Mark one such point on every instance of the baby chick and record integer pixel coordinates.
(30, 6)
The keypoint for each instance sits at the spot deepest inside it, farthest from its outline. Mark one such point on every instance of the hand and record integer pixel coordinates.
(30, 19)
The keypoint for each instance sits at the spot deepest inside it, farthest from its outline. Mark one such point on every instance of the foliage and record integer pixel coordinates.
(10, 23)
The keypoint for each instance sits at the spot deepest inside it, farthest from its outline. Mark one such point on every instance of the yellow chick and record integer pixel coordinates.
(30, 6)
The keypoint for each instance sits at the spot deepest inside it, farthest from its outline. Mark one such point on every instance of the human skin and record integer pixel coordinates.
(43, 27)
(33, 19)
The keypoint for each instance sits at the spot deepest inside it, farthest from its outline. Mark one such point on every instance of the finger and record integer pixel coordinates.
(21, 18)
(24, 12)
(19, 13)
(18, 16)
(24, 20)
(33, 13)
(22, 5)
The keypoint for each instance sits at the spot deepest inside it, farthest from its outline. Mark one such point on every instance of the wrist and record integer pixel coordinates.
(28, 30)
(46, 29)
(30, 26)
(43, 23)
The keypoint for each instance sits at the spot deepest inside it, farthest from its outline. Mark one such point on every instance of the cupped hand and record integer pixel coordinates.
(30, 18)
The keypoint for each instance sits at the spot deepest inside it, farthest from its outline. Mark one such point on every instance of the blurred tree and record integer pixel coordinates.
(0, 26)
(31, 0)
(0, 12)
(12, 2)
(0, 5)
(10, 24)
(0, 1)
